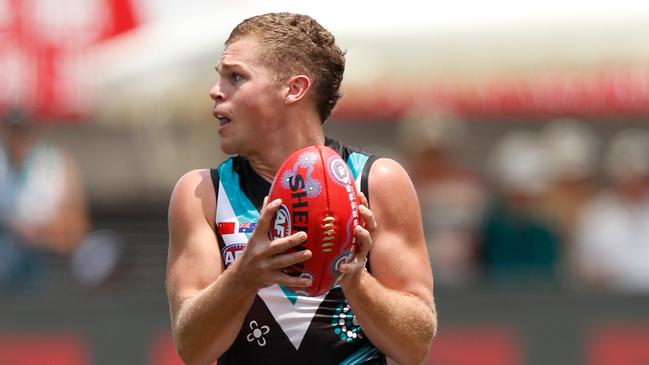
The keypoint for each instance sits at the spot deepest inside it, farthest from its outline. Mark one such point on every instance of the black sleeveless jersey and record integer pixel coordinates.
(282, 327)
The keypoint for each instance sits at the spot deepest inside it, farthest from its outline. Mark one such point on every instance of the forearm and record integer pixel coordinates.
(400, 325)
(208, 323)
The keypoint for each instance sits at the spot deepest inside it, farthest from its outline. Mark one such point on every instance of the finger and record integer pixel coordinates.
(282, 244)
(363, 199)
(352, 267)
(358, 261)
(287, 259)
(291, 281)
(368, 217)
(363, 242)
(265, 216)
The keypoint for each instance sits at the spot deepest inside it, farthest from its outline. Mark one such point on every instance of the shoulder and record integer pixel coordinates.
(192, 180)
(387, 174)
(392, 196)
(193, 194)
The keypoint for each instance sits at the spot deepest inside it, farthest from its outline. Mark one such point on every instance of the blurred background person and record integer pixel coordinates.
(518, 242)
(572, 155)
(451, 196)
(613, 236)
(42, 203)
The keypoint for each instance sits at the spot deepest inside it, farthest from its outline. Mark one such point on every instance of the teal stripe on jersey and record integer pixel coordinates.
(356, 161)
(366, 353)
(242, 206)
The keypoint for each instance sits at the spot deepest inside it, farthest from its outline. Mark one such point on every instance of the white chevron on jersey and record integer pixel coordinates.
(293, 316)
(294, 319)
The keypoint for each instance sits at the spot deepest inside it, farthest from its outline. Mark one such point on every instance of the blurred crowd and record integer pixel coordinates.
(44, 213)
(555, 206)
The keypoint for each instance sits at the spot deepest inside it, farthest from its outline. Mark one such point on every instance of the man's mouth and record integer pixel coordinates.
(223, 120)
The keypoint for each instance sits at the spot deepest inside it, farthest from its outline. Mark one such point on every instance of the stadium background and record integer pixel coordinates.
(122, 85)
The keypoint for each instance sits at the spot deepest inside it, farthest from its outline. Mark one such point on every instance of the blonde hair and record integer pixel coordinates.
(292, 44)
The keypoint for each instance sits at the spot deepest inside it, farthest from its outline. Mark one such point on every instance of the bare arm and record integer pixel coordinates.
(394, 304)
(208, 304)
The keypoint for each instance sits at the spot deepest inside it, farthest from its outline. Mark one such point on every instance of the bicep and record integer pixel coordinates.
(399, 258)
(194, 260)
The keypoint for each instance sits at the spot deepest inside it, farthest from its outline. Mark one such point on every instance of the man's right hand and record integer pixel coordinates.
(261, 262)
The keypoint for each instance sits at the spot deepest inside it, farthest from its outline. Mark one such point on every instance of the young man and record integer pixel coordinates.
(279, 79)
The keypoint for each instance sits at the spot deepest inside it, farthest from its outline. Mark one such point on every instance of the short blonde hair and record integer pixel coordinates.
(293, 44)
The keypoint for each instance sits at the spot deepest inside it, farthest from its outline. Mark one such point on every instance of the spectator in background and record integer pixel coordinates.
(451, 196)
(42, 205)
(518, 244)
(572, 161)
(613, 236)
(572, 155)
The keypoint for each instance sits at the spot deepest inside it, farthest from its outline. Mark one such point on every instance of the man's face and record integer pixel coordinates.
(247, 99)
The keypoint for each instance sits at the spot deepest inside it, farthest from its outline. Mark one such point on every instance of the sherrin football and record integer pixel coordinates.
(318, 197)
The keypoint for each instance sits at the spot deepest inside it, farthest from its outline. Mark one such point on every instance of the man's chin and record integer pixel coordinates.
(229, 149)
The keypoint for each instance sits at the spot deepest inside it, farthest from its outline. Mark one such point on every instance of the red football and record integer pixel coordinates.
(318, 197)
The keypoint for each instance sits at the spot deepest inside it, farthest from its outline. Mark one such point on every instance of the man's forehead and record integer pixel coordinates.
(240, 53)
(245, 49)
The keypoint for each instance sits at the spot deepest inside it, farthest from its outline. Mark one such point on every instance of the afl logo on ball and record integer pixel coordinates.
(338, 170)
(343, 258)
(281, 223)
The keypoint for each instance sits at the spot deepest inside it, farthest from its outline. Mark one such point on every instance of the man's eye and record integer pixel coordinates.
(236, 77)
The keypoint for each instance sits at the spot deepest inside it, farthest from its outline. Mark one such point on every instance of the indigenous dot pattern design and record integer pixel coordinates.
(338, 171)
(345, 325)
(312, 186)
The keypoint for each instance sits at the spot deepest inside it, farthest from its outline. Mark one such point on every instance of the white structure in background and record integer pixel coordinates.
(406, 43)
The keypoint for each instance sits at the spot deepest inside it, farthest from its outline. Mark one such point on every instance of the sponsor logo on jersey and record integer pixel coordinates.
(247, 227)
(231, 252)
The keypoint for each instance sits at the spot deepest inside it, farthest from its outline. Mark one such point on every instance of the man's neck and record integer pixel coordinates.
(267, 162)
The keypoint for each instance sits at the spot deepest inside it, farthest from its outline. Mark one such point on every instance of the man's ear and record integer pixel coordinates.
(297, 88)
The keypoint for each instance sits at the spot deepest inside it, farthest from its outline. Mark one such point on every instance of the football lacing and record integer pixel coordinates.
(329, 233)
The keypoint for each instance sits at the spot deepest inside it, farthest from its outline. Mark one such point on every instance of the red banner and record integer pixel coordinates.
(42, 42)
(614, 92)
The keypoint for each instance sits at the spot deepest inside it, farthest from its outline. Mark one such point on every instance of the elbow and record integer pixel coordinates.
(188, 351)
(418, 353)
(190, 357)
(414, 356)
(183, 349)
(433, 324)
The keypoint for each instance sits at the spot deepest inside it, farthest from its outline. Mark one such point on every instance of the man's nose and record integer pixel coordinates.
(216, 93)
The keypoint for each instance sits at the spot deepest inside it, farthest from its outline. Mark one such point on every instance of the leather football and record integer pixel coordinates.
(318, 197)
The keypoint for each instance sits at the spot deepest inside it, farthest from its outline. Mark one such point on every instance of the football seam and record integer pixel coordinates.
(328, 210)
